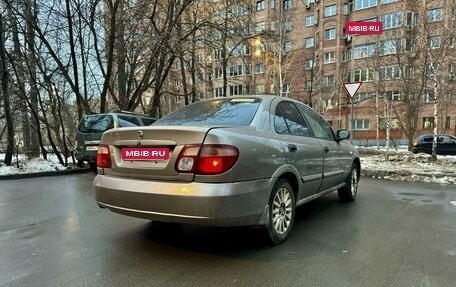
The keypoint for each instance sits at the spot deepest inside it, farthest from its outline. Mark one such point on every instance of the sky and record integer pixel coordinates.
(402, 166)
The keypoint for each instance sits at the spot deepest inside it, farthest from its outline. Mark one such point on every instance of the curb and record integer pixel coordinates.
(45, 173)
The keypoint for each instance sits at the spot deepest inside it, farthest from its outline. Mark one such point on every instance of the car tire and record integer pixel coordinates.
(93, 166)
(281, 212)
(349, 191)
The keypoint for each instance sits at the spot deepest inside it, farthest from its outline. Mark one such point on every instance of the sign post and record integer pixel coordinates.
(351, 89)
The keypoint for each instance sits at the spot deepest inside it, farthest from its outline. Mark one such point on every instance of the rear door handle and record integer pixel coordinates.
(292, 148)
(326, 149)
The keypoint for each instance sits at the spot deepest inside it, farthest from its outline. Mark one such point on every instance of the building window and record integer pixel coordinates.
(310, 20)
(310, 42)
(330, 10)
(330, 57)
(259, 89)
(452, 71)
(411, 19)
(218, 54)
(308, 85)
(347, 55)
(364, 4)
(409, 45)
(260, 27)
(239, 50)
(408, 72)
(428, 96)
(432, 69)
(272, 4)
(428, 122)
(346, 8)
(308, 64)
(389, 47)
(235, 70)
(176, 65)
(394, 124)
(328, 80)
(287, 26)
(237, 90)
(359, 97)
(286, 88)
(391, 21)
(218, 92)
(216, 35)
(241, 10)
(363, 75)
(177, 83)
(389, 72)
(434, 42)
(448, 122)
(330, 34)
(393, 95)
(287, 46)
(286, 4)
(434, 15)
(453, 41)
(360, 125)
(218, 72)
(364, 51)
(259, 68)
(260, 5)
(388, 1)
(374, 19)
(247, 69)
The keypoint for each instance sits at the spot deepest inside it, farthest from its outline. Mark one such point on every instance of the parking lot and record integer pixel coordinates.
(52, 233)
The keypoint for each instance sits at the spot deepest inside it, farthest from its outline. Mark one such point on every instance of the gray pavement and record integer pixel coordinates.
(52, 233)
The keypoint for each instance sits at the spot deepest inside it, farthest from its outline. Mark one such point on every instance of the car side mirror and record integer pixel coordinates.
(342, 135)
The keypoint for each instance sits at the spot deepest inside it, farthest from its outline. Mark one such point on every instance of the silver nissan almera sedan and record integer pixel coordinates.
(232, 161)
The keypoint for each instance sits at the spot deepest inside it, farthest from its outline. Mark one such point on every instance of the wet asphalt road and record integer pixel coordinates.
(52, 233)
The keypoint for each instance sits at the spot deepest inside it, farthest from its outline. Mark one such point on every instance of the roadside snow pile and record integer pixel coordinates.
(406, 166)
(32, 166)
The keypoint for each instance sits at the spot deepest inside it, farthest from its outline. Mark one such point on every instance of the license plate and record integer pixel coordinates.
(93, 147)
(145, 153)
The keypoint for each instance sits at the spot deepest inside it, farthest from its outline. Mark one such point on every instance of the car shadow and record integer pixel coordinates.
(234, 241)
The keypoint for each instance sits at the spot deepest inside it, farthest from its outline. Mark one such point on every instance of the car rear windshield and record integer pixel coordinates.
(221, 111)
(96, 123)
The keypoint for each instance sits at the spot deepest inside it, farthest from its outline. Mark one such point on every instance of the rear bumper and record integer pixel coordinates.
(224, 204)
(90, 156)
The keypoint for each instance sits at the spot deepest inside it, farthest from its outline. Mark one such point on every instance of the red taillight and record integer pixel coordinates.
(103, 157)
(208, 159)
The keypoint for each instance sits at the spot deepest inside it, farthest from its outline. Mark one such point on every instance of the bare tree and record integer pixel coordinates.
(412, 61)
(4, 77)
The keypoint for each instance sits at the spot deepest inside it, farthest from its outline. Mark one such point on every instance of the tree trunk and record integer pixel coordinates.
(6, 98)
(121, 59)
(34, 150)
(18, 57)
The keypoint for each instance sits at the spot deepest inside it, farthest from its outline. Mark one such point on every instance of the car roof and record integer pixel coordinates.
(124, 113)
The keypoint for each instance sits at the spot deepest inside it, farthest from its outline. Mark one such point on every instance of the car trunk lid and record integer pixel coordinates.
(151, 152)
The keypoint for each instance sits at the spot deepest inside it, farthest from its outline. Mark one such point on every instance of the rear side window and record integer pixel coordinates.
(288, 120)
(220, 111)
(95, 123)
(428, 139)
(147, 121)
(126, 121)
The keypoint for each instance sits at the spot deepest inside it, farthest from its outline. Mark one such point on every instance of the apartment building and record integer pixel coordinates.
(300, 49)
